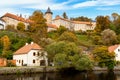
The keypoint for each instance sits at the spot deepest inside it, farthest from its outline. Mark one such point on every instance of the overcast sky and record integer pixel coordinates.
(73, 8)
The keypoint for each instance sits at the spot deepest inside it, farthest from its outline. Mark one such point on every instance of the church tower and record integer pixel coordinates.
(48, 16)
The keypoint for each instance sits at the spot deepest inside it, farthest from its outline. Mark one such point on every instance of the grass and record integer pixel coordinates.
(85, 40)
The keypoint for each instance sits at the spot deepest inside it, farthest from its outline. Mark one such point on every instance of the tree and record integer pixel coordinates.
(109, 37)
(65, 15)
(38, 26)
(102, 23)
(61, 30)
(103, 57)
(82, 62)
(6, 46)
(62, 47)
(81, 18)
(21, 26)
(68, 36)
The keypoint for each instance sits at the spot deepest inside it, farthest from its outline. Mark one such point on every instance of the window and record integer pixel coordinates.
(33, 53)
(33, 61)
(118, 50)
(38, 54)
(19, 61)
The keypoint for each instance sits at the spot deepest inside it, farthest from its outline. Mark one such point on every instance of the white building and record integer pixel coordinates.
(116, 50)
(30, 55)
(12, 19)
(72, 25)
(2, 24)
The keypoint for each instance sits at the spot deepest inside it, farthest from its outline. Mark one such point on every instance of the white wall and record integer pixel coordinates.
(117, 54)
(28, 58)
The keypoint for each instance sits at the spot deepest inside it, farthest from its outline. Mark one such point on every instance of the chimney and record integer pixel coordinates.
(26, 44)
(32, 43)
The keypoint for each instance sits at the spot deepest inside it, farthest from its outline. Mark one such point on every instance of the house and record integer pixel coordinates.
(71, 25)
(12, 19)
(2, 24)
(116, 50)
(51, 27)
(30, 55)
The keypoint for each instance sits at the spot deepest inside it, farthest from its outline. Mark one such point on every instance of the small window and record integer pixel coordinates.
(19, 61)
(33, 53)
(38, 54)
(119, 50)
(33, 61)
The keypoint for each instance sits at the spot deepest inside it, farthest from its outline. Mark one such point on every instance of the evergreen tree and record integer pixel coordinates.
(65, 15)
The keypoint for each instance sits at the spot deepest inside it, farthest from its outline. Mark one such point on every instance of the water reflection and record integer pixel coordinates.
(56, 76)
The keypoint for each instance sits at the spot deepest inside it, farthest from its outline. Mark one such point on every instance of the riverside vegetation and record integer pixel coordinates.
(67, 49)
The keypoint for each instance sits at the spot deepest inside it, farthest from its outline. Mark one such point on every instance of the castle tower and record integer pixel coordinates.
(48, 16)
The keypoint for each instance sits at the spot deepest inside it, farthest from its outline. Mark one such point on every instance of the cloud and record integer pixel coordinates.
(97, 3)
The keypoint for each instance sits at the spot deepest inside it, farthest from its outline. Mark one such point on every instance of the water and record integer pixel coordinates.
(57, 76)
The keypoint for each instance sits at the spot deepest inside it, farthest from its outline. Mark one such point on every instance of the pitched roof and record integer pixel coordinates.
(112, 48)
(26, 48)
(48, 11)
(77, 22)
(52, 26)
(17, 18)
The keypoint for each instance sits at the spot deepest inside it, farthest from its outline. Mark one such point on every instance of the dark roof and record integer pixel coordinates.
(48, 11)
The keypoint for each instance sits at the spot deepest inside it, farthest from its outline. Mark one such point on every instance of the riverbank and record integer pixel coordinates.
(21, 70)
(25, 70)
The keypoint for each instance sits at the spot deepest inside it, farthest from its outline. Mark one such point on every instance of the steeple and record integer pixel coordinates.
(48, 11)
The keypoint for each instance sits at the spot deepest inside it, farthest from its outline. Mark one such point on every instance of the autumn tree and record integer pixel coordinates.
(38, 26)
(109, 37)
(65, 15)
(103, 57)
(21, 26)
(68, 36)
(102, 23)
(6, 45)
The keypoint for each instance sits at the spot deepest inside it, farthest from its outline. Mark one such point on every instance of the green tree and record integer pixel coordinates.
(21, 26)
(67, 48)
(109, 37)
(82, 62)
(65, 15)
(103, 57)
(61, 30)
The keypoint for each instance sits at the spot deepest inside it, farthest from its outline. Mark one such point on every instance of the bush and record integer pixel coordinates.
(10, 64)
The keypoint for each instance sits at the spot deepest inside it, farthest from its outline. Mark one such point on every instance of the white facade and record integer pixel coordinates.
(30, 55)
(32, 58)
(117, 53)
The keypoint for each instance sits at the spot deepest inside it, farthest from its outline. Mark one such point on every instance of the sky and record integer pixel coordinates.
(73, 8)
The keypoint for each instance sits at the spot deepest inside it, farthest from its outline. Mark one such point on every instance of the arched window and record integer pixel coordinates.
(33, 53)
(33, 61)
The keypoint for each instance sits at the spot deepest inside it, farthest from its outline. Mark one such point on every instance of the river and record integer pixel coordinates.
(57, 76)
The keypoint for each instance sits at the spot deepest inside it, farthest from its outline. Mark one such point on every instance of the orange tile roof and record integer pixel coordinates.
(78, 22)
(52, 26)
(112, 48)
(26, 48)
(17, 18)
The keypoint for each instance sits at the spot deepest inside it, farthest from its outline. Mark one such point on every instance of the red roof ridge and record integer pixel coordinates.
(52, 26)
(17, 18)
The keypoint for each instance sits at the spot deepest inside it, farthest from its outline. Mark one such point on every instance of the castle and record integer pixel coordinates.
(53, 24)
(71, 25)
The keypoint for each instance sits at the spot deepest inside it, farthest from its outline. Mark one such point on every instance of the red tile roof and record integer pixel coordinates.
(26, 48)
(17, 18)
(52, 26)
(112, 48)
(77, 22)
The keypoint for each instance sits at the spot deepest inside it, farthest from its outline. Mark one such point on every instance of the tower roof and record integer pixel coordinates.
(48, 11)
